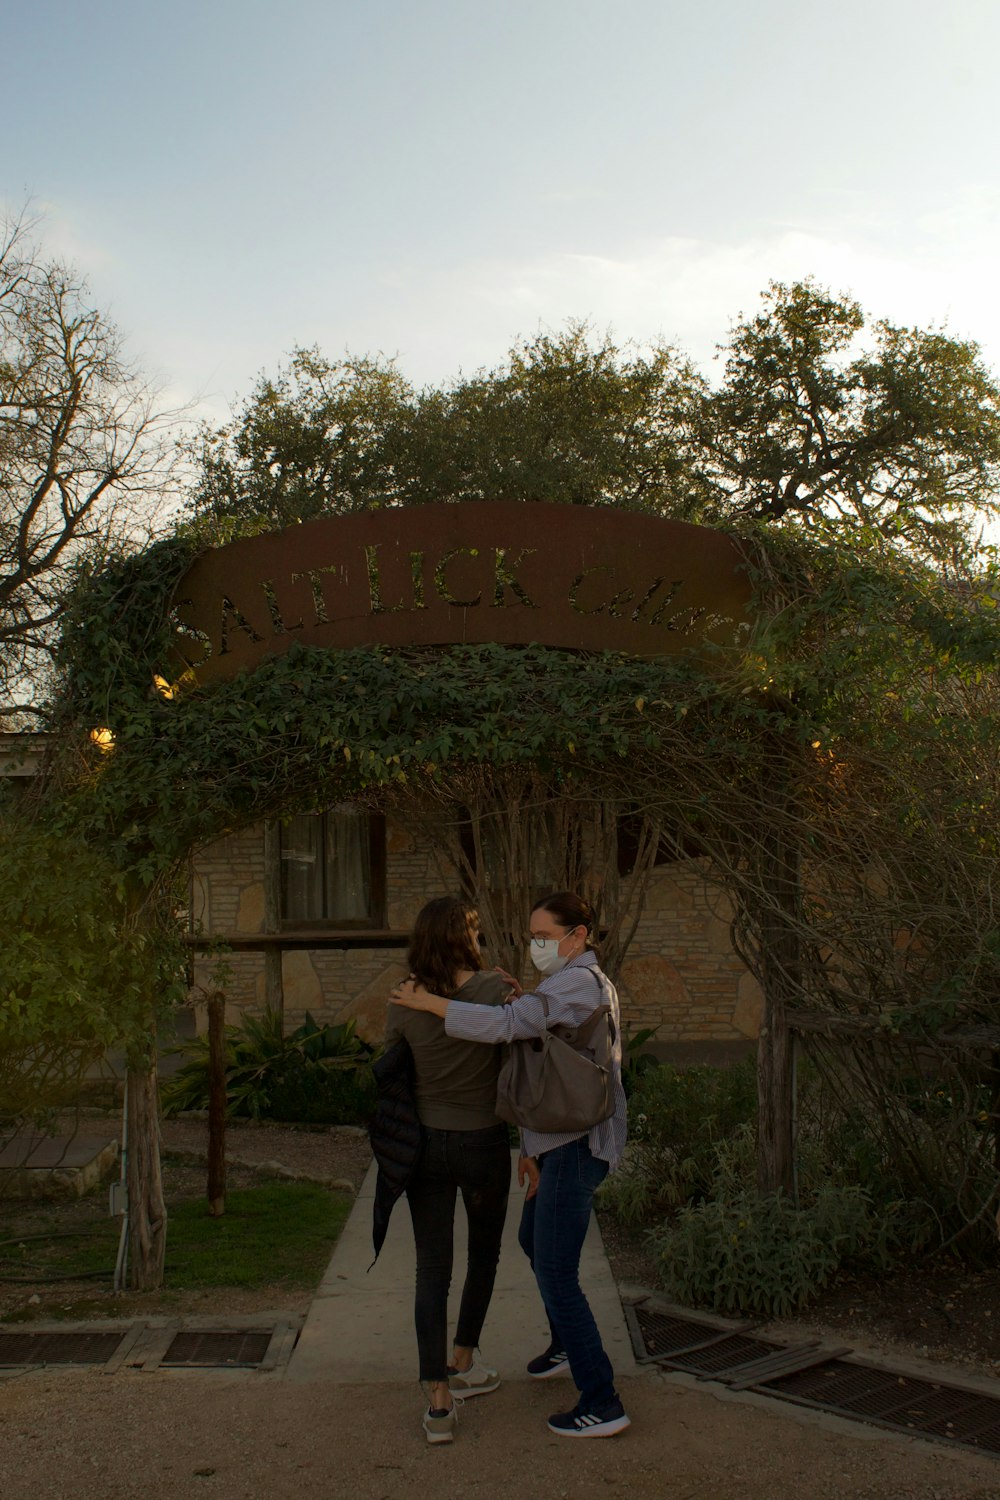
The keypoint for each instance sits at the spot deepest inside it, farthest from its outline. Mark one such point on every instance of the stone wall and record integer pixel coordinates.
(227, 896)
(680, 976)
(227, 884)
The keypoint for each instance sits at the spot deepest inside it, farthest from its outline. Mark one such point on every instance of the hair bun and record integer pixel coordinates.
(568, 908)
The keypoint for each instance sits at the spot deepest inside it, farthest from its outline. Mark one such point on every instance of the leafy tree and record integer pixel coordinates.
(307, 443)
(83, 453)
(878, 435)
(77, 968)
(562, 420)
(891, 438)
(87, 964)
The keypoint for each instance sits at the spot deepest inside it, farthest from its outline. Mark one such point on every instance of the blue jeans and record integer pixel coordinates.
(553, 1227)
(477, 1162)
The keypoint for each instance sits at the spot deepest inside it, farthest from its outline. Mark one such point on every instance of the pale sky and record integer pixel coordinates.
(433, 178)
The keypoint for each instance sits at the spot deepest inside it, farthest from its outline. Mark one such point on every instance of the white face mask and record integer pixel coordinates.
(545, 955)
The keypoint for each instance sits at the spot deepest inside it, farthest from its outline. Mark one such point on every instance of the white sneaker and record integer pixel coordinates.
(477, 1380)
(439, 1425)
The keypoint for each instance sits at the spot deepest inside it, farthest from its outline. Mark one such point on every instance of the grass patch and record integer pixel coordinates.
(274, 1234)
(280, 1233)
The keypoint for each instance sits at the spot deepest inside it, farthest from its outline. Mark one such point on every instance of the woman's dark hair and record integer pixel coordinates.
(443, 942)
(568, 909)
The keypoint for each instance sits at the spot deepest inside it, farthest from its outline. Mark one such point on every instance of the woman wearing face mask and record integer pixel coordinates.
(464, 1146)
(563, 1171)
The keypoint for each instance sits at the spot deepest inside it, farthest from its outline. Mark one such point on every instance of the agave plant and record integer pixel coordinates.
(316, 1074)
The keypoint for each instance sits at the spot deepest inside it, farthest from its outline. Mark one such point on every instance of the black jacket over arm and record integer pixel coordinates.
(395, 1134)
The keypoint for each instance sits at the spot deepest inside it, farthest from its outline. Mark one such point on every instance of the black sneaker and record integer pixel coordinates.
(552, 1362)
(583, 1423)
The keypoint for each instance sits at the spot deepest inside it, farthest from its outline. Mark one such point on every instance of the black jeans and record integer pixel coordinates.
(478, 1162)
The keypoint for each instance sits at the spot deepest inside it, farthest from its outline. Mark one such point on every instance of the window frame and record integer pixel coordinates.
(669, 850)
(376, 887)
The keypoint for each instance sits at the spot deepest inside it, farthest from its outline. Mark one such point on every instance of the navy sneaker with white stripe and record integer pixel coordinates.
(552, 1362)
(583, 1423)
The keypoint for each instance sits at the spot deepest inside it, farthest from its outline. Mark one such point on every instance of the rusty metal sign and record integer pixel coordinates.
(509, 572)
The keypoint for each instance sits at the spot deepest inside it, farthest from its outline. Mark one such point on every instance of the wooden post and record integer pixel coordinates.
(780, 975)
(216, 1104)
(274, 989)
(146, 1206)
(993, 1077)
(774, 1089)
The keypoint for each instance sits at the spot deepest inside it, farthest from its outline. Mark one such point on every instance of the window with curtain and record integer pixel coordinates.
(333, 868)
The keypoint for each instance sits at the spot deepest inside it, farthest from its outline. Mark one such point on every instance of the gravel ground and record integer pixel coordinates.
(76, 1436)
(337, 1154)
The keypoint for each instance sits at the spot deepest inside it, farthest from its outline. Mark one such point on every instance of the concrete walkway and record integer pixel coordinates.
(359, 1329)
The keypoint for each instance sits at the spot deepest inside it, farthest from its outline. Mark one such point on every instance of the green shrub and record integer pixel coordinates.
(635, 1062)
(323, 1095)
(740, 1253)
(315, 1075)
(678, 1118)
(689, 1180)
(925, 1158)
(80, 971)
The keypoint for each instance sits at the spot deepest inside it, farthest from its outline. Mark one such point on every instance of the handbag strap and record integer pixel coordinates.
(585, 1030)
(606, 1007)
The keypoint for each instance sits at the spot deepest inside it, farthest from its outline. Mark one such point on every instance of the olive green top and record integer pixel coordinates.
(456, 1080)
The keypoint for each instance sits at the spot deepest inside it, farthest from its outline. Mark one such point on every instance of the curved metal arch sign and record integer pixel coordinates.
(510, 572)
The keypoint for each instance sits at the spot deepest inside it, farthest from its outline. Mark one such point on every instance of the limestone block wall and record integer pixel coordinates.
(681, 974)
(337, 986)
(412, 875)
(227, 884)
(227, 896)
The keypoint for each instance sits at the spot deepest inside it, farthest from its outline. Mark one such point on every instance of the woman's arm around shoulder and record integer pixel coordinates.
(521, 1018)
(485, 988)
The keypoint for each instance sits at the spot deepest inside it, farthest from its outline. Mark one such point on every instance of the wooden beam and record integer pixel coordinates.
(274, 988)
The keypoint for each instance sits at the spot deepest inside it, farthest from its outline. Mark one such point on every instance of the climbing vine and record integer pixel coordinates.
(835, 774)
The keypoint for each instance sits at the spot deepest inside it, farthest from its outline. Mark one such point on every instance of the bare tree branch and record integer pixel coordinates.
(86, 458)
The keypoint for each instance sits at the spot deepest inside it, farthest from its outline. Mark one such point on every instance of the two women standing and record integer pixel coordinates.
(563, 1171)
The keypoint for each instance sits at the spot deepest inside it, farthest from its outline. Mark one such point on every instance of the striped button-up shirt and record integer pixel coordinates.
(571, 995)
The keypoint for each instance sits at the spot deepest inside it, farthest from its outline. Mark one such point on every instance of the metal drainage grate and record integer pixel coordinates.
(721, 1355)
(57, 1348)
(147, 1347)
(233, 1350)
(692, 1345)
(818, 1378)
(902, 1403)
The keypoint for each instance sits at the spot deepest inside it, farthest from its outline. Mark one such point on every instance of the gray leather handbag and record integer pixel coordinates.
(561, 1081)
